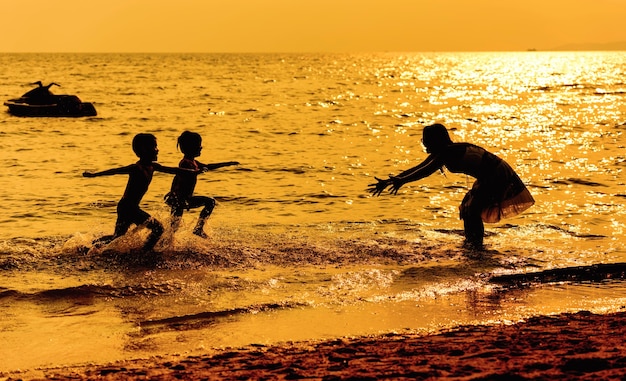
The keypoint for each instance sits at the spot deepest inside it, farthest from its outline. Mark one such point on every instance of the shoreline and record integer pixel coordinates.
(577, 346)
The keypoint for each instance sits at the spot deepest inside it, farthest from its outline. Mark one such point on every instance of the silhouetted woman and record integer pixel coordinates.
(497, 193)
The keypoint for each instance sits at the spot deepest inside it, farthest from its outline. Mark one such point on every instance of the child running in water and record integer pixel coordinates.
(497, 193)
(139, 178)
(181, 195)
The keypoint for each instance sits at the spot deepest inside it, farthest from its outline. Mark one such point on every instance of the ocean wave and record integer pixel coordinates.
(86, 291)
(591, 273)
(576, 181)
(207, 318)
(397, 241)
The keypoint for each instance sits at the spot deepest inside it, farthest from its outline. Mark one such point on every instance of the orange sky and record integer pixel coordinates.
(306, 26)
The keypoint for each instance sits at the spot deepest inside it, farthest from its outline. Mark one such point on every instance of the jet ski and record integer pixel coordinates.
(40, 101)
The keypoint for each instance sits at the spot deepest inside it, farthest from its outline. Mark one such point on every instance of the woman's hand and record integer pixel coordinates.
(377, 188)
(396, 184)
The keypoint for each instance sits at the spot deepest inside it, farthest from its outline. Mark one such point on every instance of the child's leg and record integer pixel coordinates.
(209, 205)
(177, 209)
(121, 227)
(177, 215)
(140, 217)
(156, 231)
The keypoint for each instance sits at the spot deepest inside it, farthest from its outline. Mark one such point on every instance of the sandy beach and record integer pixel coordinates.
(577, 346)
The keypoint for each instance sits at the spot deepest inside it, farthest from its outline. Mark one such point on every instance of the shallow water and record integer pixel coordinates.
(298, 250)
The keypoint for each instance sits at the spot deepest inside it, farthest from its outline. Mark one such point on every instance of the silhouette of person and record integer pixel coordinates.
(497, 193)
(181, 195)
(139, 178)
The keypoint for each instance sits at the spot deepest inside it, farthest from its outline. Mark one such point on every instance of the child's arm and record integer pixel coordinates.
(210, 167)
(113, 171)
(174, 170)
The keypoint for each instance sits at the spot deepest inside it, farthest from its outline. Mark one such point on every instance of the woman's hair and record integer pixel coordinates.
(189, 141)
(141, 142)
(435, 138)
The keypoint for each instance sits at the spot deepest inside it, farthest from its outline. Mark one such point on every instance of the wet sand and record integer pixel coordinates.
(579, 346)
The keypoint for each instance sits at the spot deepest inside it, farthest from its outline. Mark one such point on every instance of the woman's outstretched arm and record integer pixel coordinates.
(426, 168)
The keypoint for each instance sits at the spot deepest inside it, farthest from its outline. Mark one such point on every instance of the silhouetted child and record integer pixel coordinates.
(497, 193)
(139, 178)
(181, 195)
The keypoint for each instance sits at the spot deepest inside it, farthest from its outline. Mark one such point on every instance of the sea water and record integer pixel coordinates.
(297, 248)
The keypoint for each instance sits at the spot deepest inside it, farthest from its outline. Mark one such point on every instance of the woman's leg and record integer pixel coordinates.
(474, 231)
(471, 209)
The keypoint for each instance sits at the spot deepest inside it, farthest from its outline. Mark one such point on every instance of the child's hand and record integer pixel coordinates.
(210, 167)
(88, 174)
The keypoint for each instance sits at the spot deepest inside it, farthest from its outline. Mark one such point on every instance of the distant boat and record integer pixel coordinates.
(41, 102)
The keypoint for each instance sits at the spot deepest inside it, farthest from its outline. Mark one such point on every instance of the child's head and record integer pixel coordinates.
(190, 143)
(145, 146)
(435, 138)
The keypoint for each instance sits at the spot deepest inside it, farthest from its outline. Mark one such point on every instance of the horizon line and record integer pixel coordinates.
(529, 50)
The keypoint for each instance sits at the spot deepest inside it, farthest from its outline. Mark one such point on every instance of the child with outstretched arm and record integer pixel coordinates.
(181, 195)
(139, 178)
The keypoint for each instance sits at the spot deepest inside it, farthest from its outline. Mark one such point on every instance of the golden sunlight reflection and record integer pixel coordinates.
(296, 241)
